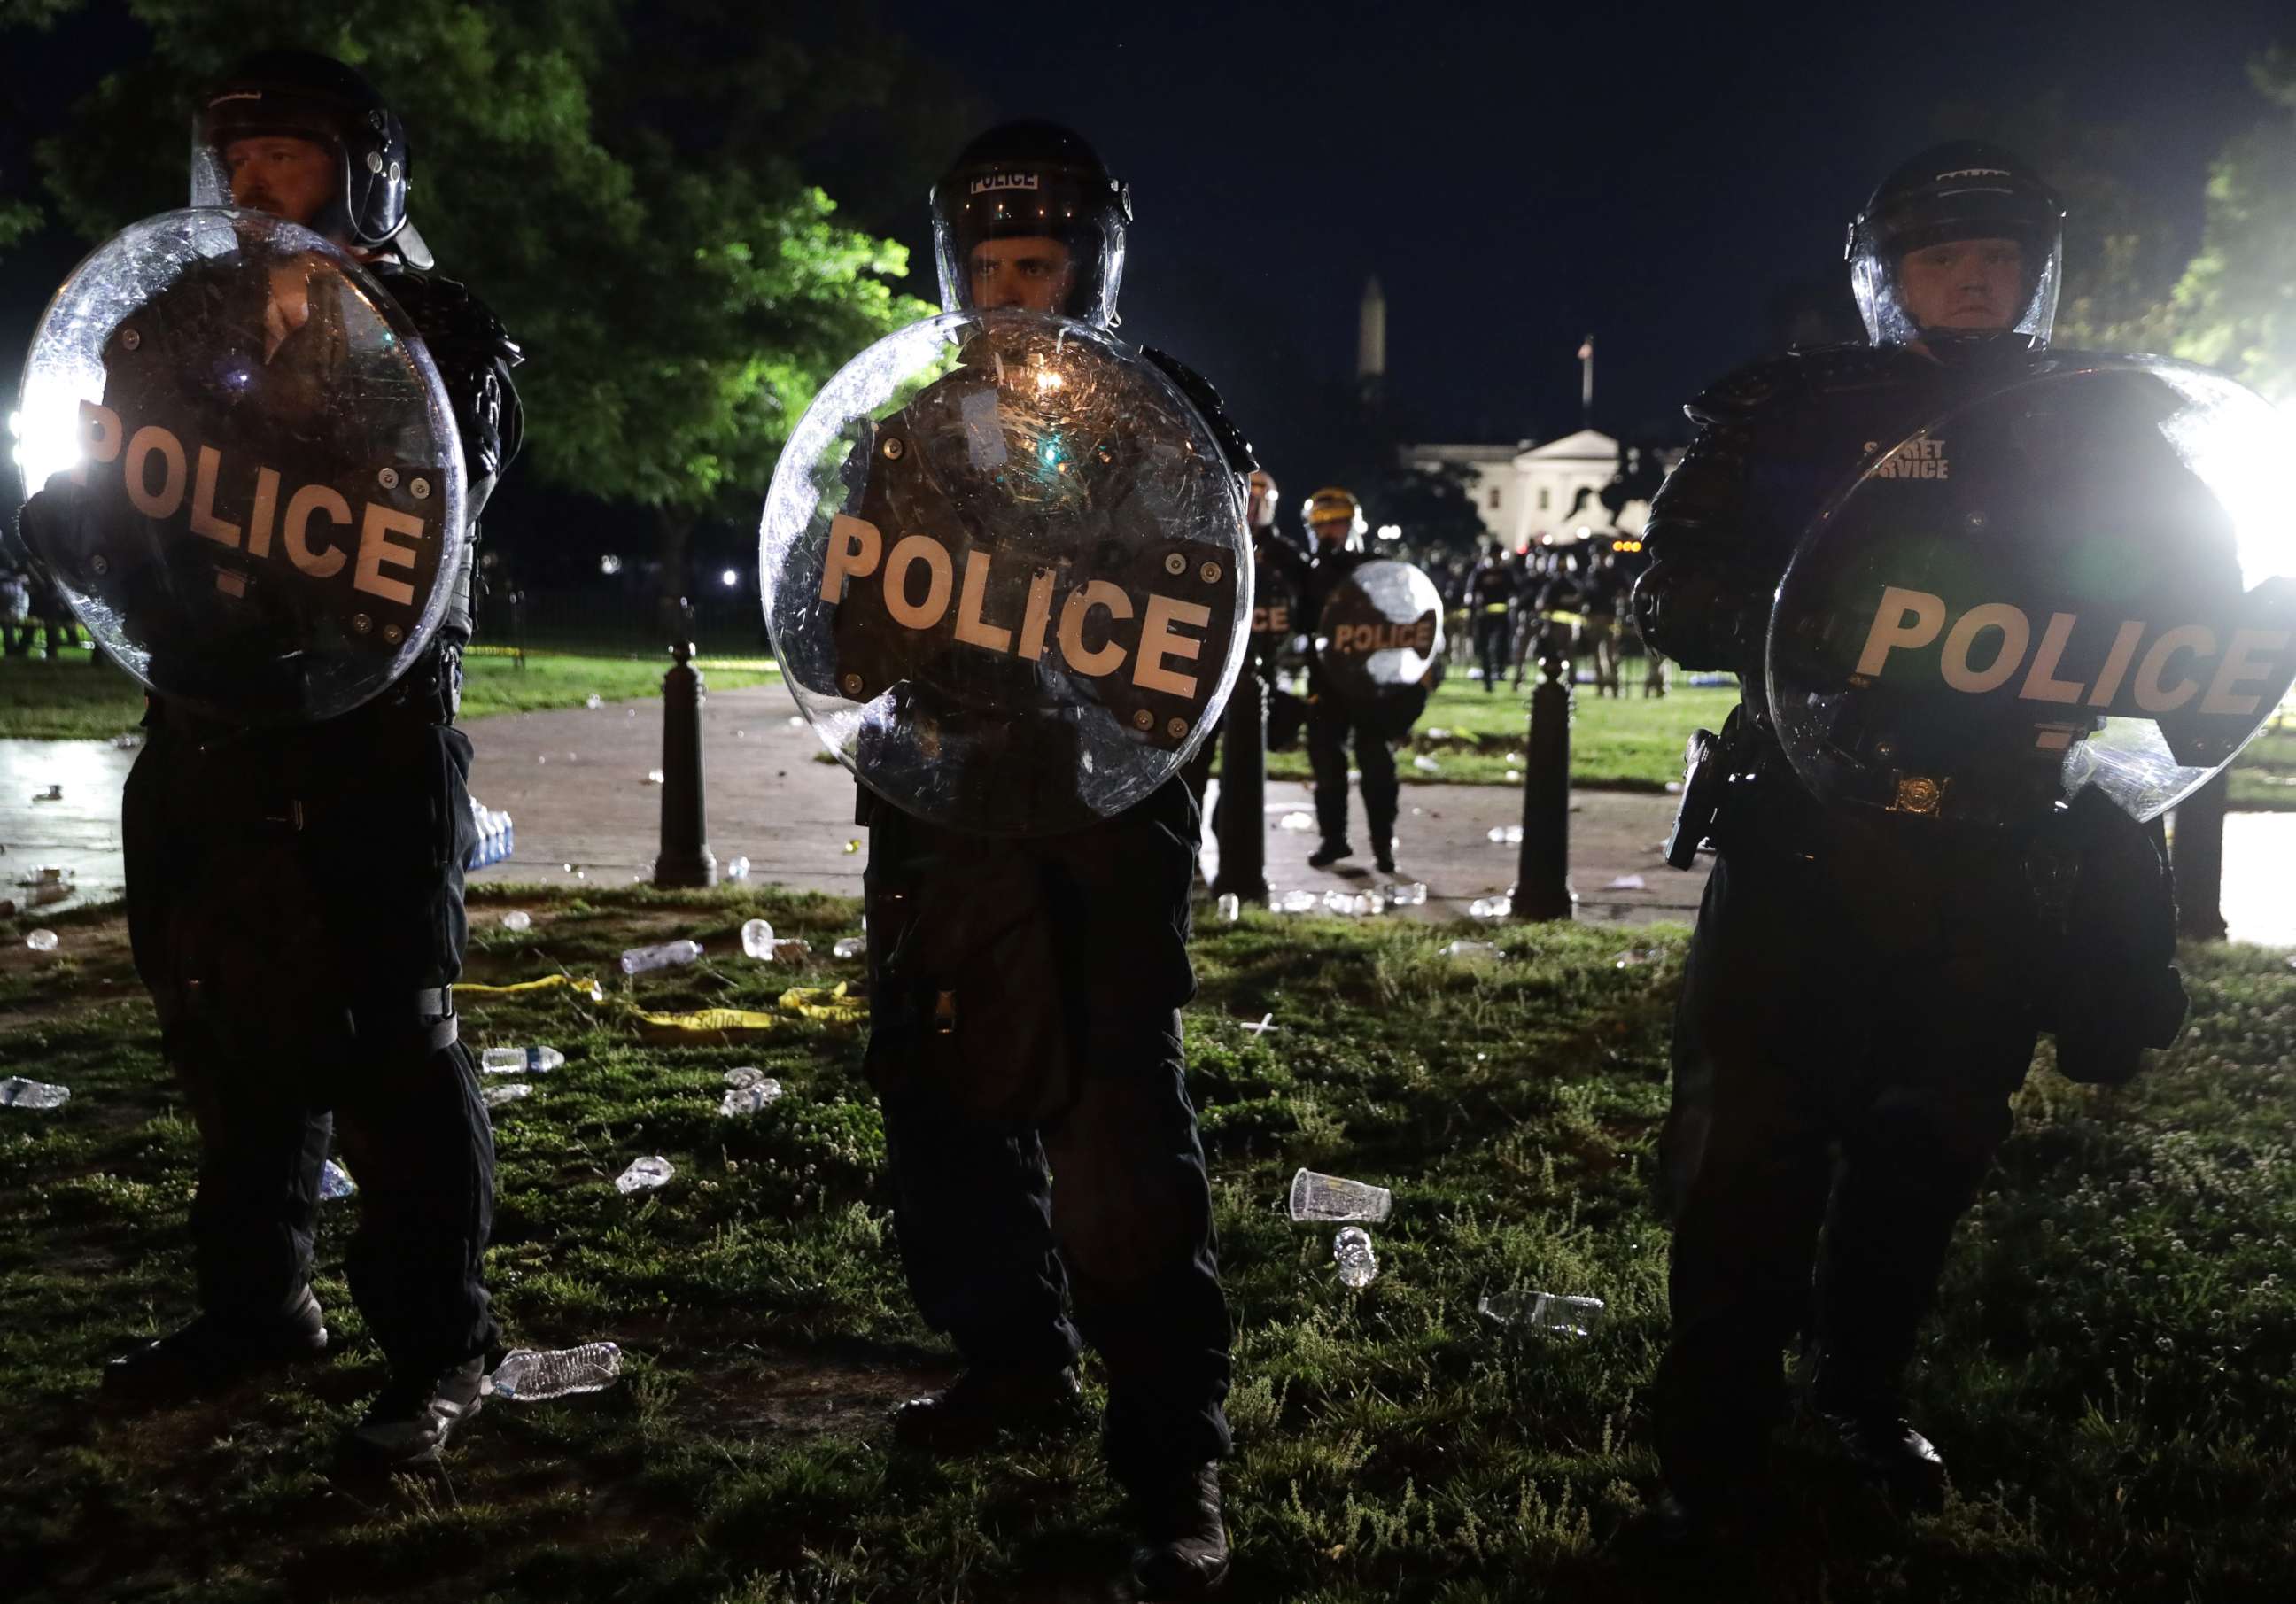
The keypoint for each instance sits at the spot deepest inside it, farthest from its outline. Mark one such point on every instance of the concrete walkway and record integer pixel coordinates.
(575, 783)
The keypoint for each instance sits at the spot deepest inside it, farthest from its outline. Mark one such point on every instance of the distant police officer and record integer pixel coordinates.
(1491, 589)
(295, 891)
(1860, 981)
(1336, 521)
(1025, 1003)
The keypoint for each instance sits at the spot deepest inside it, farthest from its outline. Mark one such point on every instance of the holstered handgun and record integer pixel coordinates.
(1703, 776)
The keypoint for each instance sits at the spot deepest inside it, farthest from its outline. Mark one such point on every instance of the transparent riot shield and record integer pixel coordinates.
(1006, 572)
(1379, 640)
(249, 484)
(2080, 576)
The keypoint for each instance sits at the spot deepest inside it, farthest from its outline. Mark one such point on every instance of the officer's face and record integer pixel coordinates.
(1263, 501)
(1031, 272)
(1964, 283)
(288, 177)
(1332, 531)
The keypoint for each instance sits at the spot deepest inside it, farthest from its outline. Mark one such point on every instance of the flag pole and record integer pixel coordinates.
(1586, 383)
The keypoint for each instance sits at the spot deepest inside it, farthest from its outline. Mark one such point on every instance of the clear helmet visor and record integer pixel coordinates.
(1970, 265)
(1031, 240)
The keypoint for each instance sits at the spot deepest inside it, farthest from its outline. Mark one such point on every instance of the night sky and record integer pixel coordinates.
(1516, 176)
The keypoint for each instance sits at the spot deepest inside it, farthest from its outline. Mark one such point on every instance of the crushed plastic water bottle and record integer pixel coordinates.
(1635, 957)
(1296, 901)
(1550, 1312)
(1412, 895)
(757, 938)
(16, 1093)
(41, 941)
(1627, 882)
(1335, 1197)
(1515, 758)
(1358, 1264)
(852, 846)
(1505, 835)
(1353, 904)
(637, 961)
(738, 869)
(1436, 732)
(127, 743)
(655, 777)
(1490, 907)
(1297, 823)
(746, 1074)
(594, 701)
(335, 1182)
(747, 1099)
(1426, 765)
(645, 1175)
(1471, 952)
(510, 1060)
(850, 947)
(1230, 907)
(1513, 775)
(518, 919)
(527, 1376)
(515, 1092)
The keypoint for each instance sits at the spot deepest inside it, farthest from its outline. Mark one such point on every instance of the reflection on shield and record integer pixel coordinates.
(1006, 572)
(1380, 643)
(251, 489)
(2081, 577)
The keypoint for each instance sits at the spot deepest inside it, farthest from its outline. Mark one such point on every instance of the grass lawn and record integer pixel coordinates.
(2110, 1377)
(79, 697)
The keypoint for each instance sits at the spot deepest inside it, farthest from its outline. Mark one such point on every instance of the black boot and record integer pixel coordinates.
(1883, 1446)
(418, 1410)
(1331, 852)
(1182, 1553)
(1868, 1415)
(966, 1416)
(213, 1353)
(1382, 850)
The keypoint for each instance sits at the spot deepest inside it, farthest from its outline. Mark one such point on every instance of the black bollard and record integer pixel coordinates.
(2196, 861)
(1542, 876)
(685, 859)
(1242, 829)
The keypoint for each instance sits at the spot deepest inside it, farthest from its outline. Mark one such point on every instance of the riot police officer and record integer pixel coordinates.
(1860, 979)
(295, 893)
(1069, 953)
(1336, 521)
(1491, 589)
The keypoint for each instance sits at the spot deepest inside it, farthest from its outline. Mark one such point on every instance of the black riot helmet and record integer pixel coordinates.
(306, 95)
(1033, 180)
(1962, 190)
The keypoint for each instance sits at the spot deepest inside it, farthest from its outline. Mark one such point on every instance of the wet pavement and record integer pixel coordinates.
(576, 783)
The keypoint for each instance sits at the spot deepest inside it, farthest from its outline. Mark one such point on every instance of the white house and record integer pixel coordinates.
(1531, 494)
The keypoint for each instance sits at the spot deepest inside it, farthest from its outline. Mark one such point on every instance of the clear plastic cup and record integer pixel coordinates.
(1315, 1197)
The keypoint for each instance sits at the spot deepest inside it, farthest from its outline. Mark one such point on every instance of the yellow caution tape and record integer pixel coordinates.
(828, 1006)
(580, 983)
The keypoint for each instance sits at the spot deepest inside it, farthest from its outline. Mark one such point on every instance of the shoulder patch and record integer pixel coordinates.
(1748, 389)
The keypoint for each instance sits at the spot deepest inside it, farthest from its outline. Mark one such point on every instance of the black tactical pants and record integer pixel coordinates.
(1024, 1008)
(1329, 730)
(1494, 640)
(320, 1018)
(1836, 1108)
(990, 1241)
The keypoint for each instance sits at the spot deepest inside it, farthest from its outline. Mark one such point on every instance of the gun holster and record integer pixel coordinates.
(1703, 775)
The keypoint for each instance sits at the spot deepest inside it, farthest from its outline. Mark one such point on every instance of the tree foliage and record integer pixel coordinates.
(2235, 305)
(622, 191)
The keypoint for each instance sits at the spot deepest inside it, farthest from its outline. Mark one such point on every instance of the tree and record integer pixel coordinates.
(614, 177)
(2236, 307)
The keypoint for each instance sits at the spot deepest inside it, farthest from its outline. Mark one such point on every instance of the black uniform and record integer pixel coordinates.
(1332, 725)
(1024, 1009)
(295, 903)
(1491, 590)
(1857, 981)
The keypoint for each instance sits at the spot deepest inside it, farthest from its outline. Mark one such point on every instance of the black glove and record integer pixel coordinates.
(2117, 990)
(1206, 400)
